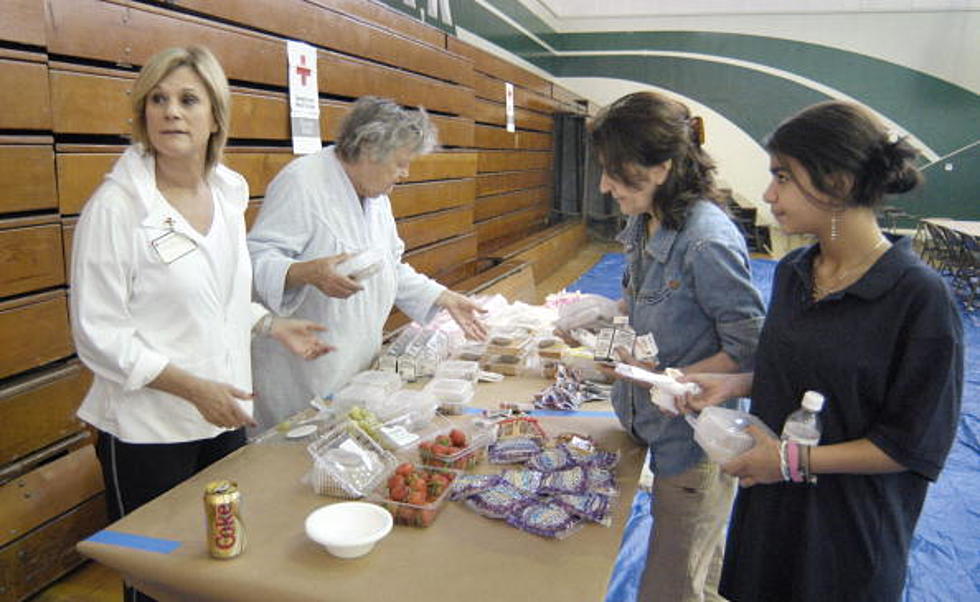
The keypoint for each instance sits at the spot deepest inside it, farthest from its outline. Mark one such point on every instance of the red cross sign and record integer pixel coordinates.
(303, 72)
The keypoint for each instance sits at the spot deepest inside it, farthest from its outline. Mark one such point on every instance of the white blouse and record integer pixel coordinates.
(134, 313)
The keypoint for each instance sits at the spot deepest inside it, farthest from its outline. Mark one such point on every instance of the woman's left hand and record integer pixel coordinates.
(759, 465)
(300, 337)
(464, 312)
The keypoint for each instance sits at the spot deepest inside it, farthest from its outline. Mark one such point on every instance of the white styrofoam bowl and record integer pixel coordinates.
(348, 529)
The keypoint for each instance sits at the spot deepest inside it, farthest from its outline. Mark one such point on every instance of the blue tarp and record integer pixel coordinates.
(944, 562)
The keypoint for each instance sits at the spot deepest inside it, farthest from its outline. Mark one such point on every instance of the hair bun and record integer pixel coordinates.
(898, 159)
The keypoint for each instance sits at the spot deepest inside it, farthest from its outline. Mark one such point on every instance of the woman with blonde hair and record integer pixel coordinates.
(161, 289)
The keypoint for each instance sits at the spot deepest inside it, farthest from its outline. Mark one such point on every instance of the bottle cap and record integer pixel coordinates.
(813, 401)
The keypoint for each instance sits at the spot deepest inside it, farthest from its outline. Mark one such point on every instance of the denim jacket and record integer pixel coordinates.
(692, 289)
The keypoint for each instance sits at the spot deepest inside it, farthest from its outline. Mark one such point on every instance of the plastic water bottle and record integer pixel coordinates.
(803, 425)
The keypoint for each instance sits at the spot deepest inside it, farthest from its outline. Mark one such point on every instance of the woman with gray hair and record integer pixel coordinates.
(320, 211)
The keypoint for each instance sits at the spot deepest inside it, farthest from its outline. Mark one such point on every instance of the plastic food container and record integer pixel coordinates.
(365, 396)
(452, 394)
(414, 409)
(478, 437)
(347, 463)
(417, 515)
(362, 265)
(459, 369)
(508, 364)
(388, 381)
(508, 341)
(721, 432)
(471, 351)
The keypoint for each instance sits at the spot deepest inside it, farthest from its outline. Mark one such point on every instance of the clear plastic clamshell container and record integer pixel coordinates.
(459, 369)
(459, 444)
(378, 378)
(347, 463)
(437, 484)
(452, 394)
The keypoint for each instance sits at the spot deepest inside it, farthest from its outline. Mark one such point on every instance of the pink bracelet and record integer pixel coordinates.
(794, 462)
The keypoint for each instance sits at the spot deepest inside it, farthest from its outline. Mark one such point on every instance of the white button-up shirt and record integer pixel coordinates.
(133, 313)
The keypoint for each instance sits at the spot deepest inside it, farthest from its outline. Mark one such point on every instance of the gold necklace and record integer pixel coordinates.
(819, 292)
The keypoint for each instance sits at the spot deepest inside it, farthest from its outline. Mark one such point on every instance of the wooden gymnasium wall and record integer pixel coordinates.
(66, 69)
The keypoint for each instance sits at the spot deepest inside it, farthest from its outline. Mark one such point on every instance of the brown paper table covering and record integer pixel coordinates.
(462, 556)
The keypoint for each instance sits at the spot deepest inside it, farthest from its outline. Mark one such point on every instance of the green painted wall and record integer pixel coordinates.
(943, 116)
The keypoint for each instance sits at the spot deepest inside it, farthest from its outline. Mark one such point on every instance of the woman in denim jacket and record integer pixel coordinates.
(688, 283)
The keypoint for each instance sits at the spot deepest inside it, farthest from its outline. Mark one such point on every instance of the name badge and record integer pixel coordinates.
(172, 246)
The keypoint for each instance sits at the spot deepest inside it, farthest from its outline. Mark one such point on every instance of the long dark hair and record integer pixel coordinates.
(834, 139)
(646, 129)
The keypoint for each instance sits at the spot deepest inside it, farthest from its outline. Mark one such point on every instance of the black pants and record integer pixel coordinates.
(135, 473)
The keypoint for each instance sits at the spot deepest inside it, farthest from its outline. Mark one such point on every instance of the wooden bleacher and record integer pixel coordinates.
(474, 215)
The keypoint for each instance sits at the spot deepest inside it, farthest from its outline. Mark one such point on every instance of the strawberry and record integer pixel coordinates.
(396, 481)
(404, 469)
(444, 440)
(442, 450)
(417, 498)
(398, 493)
(457, 437)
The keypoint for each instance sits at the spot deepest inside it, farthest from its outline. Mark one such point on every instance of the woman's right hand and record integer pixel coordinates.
(715, 388)
(217, 403)
(322, 273)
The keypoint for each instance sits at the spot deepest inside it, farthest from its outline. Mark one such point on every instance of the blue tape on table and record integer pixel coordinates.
(137, 542)
(558, 413)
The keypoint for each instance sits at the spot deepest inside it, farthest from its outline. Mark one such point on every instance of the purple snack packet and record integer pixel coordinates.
(592, 506)
(497, 502)
(544, 519)
(513, 450)
(528, 481)
(571, 480)
(550, 460)
(466, 485)
(601, 481)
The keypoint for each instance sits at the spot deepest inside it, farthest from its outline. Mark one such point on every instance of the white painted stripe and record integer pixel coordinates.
(927, 153)
(506, 19)
(955, 152)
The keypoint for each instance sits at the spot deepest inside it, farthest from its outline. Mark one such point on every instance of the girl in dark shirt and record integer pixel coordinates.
(858, 317)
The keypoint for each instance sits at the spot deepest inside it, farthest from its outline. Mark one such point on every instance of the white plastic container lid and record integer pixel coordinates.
(362, 264)
(389, 381)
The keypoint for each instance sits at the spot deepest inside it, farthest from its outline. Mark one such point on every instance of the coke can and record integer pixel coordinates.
(222, 506)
